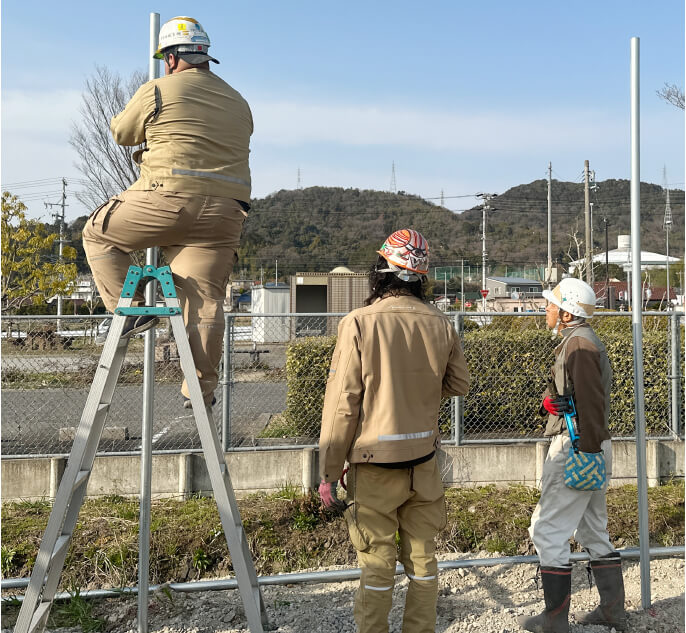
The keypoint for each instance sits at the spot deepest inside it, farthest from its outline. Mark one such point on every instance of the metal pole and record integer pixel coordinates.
(607, 268)
(549, 273)
(459, 401)
(483, 254)
(148, 401)
(587, 216)
(462, 288)
(675, 377)
(226, 385)
(637, 325)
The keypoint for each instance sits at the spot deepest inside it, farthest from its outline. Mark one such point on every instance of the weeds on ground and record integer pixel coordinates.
(288, 531)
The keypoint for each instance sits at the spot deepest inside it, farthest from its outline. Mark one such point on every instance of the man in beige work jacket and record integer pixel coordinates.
(192, 195)
(394, 360)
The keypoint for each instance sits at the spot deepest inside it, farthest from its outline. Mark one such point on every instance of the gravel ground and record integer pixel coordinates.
(483, 600)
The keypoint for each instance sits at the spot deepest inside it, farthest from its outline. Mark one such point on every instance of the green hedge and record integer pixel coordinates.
(509, 366)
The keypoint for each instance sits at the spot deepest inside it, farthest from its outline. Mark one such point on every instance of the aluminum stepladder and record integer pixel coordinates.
(49, 563)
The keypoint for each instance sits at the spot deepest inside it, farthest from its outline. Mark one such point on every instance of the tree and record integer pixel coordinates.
(31, 272)
(671, 93)
(107, 167)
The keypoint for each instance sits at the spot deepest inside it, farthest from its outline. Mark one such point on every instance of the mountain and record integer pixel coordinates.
(318, 228)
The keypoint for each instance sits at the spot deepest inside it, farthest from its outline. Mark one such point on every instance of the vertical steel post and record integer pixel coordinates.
(637, 325)
(675, 372)
(459, 401)
(148, 402)
(226, 383)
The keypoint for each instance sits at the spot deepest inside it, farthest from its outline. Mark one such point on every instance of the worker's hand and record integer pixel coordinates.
(556, 405)
(327, 493)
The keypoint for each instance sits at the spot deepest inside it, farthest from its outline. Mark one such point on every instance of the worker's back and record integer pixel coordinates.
(197, 129)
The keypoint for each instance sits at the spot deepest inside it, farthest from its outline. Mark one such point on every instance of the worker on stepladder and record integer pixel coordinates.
(394, 360)
(581, 370)
(191, 198)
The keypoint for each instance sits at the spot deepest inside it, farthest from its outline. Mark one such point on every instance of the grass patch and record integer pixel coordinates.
(288, 531)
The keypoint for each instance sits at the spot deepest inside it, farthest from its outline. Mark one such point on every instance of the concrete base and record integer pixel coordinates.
(181, 475)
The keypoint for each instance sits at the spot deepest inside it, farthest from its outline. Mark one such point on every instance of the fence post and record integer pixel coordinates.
(458, 409)
(675, 353)
(226, 382)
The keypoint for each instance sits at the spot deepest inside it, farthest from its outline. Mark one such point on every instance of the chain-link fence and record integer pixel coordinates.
(274, 373)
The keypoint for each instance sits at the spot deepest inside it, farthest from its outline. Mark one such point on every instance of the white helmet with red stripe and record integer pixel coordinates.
(574, 296)
(407, 254)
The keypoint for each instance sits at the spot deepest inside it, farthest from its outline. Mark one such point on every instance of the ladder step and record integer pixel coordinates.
(60, 546)
(81, 479)
(38, 615)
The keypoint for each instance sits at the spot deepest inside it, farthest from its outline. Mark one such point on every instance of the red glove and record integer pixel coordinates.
(327, 493)
(556, 405)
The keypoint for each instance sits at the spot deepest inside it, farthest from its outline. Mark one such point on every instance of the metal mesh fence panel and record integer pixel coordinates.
(274, 374)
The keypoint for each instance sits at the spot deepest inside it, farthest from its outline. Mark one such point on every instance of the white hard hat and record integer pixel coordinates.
(574, 296)
(190, 38)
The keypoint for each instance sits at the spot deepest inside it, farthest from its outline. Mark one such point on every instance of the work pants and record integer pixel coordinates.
(199, 236)
(383, 501)
(563, 512)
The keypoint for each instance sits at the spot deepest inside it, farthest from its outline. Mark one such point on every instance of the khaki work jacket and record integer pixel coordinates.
(392, 363)
(582, 370)
(197, 132)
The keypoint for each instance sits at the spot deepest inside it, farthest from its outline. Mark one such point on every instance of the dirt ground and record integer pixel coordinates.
(483, 600)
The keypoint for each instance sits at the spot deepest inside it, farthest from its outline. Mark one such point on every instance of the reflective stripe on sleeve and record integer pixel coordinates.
(405, 436)
(378, 588)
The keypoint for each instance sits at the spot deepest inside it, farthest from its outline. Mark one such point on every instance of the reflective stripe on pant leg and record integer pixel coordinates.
(372, 522)
(421, 518)
(559, 509)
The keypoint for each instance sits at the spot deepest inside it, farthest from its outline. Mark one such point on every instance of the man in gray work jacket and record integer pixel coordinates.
(582, 370)
(192, 195)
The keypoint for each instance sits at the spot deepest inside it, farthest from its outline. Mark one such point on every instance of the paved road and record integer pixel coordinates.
(31, 419)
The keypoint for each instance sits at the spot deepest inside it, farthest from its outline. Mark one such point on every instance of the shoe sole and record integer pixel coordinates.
(141, 328)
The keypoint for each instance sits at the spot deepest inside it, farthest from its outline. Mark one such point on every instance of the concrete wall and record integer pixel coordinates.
(185, 474)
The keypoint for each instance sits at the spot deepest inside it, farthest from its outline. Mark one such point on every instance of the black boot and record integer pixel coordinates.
(557, 590)
(607, 572)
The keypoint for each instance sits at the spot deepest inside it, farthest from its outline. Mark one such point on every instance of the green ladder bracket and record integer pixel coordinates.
(135, 276)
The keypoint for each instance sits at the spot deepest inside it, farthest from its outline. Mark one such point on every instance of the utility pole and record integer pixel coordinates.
(486, 197)
(60, 218)
(667, 225)
(587, 215)
(607, 267)
(462, 288)
(549, 273)
(277, 274)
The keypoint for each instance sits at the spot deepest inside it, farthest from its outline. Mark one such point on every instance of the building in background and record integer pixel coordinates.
(514, 294)
(271, 298)
(338, 291)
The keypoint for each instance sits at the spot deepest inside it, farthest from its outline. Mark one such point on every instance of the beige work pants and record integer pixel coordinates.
(563, 512)
(409, 501)
(199, 236)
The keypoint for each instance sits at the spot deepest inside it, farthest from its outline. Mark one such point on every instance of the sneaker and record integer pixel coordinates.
(187, 402)
(137, 324)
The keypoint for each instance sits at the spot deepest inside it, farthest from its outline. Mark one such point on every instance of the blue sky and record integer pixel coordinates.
(462, 96)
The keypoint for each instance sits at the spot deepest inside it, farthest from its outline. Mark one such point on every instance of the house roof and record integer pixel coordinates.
(622, 257)
(514, 280)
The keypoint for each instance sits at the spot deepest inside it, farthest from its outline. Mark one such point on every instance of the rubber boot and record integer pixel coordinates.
(607, 572)
(557, 590)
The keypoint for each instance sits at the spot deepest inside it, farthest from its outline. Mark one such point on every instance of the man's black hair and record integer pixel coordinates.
(384, 284)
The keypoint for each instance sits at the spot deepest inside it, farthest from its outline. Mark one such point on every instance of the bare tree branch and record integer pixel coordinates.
(106, 166)
(671, 93)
